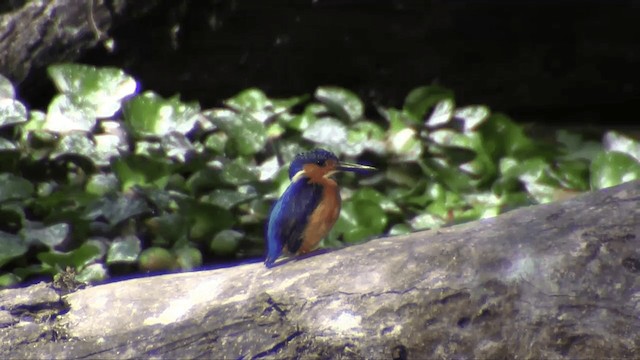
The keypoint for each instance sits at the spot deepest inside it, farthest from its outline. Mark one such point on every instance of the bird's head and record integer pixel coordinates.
(320, 163)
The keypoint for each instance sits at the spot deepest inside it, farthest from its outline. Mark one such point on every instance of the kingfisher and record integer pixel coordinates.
(310, 205)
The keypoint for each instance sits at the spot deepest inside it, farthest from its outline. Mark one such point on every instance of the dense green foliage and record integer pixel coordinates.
(107, 181)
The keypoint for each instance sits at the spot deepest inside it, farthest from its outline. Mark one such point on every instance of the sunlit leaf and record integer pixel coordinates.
(612, 168)
(216, 142)
(328, 132)
(426, 221)
(11, 111)
(102, 89)
(238, 172)
(124, 250)
(405, 144)
(92, 273)
(176, 146)
(66, 114)
(364, 135)
(472, 116)
(151, 115)
(614, 141)
(246, 134)
(343, 103)
(400, 229)
(441, 113)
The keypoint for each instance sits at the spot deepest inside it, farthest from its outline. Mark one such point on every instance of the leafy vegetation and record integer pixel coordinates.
(108, 181)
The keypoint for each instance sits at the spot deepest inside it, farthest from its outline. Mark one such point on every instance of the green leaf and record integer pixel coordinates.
(360, 220)
(400, 229)
(11, 112)
(11, 247)
(624, 144)
(501, 137)
(246, 134)
(455, 179)
(252, 101)
(116, 209)
(329, 132)
(441, 114)
(124, 250)
(370, 194)
(238, 172)
(138, 170)
(364, 135)
(50, 236)
(170, 227)
(343, 103)
(92, 273)
(101, 89)
(426, 221)
(188, 257)
(405, 144)
(102, 184)
(14, 188)
(216, 142)
(572, 175)
(225, 242)
(227, 199)
(472, 116)
(613, 168)
(66, 113)
(309, 116)
(176, 146)
(420, 100)
(151, 115)
(574, 147)
(75, 144)
(6, 88)
(77, 258)
(9, 279)
(155, 259)
(207, 219)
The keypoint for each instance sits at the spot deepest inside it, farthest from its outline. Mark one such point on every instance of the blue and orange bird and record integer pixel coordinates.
(309, 207)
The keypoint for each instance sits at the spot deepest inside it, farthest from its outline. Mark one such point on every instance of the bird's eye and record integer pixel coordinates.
(320, 162)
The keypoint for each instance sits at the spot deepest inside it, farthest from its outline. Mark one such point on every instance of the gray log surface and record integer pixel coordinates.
(38, 33)
(556, 281)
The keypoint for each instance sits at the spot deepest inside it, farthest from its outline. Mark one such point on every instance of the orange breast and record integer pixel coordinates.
(323, 217)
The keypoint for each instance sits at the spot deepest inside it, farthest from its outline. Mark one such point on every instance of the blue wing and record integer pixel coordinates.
(289, 218)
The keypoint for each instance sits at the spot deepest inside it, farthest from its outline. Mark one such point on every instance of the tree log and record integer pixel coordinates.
(39, 33)
(558, 281)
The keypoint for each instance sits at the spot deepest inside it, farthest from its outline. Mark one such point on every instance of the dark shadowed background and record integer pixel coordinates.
(574, 62)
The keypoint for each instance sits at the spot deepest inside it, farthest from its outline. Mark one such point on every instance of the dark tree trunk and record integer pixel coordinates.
(34, 34)
(557, 281)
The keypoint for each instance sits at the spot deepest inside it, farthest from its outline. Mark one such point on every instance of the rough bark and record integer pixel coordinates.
(557, 281)
(38, 33)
